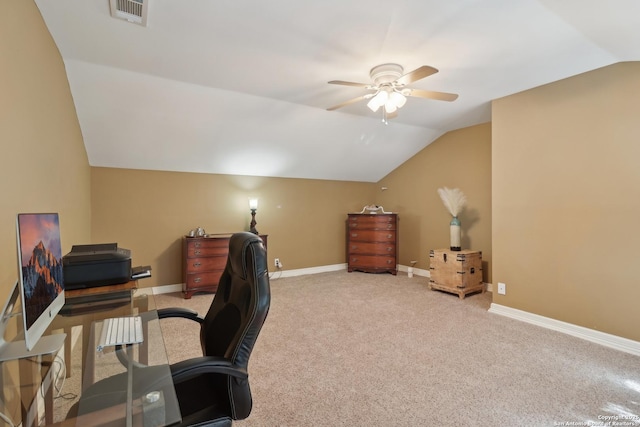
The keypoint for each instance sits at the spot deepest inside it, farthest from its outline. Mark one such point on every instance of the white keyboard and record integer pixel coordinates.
(120, 331)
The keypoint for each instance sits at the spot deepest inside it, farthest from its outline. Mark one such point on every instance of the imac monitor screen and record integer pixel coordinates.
(40, 265)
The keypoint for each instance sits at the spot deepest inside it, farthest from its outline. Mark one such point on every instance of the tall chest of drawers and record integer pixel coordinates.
(372, 243)
(203, 261)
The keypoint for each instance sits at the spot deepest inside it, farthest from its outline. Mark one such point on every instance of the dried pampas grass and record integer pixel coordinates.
(453, 199)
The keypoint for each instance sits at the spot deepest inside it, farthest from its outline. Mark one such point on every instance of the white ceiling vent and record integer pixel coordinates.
(130, 10)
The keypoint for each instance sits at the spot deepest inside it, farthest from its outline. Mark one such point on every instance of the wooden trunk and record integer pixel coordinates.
(458, 272)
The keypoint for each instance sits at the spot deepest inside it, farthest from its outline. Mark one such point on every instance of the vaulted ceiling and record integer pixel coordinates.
(240, 86)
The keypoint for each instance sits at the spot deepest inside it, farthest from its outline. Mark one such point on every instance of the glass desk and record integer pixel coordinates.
(128, 385)
(82, 306)
(131, 386)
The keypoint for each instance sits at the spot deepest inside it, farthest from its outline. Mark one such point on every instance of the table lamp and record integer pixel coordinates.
(253, 205)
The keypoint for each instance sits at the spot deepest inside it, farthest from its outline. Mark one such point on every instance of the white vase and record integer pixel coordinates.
(454, 232)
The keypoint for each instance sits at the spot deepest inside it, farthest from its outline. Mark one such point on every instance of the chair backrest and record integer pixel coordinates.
(238, 311)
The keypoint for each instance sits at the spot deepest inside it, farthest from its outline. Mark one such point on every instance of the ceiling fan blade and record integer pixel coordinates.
(440, 96)
(341, 82)
(417, 74)
(349, 102)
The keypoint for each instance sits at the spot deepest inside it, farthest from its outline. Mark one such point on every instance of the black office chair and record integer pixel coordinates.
(213, 390)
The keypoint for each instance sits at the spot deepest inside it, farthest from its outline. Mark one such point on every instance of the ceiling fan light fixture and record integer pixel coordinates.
(378, 100)
(389, 88)
(373, 104)
(398, 99)
(390, 107)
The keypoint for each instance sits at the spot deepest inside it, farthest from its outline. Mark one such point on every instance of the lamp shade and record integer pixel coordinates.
(253, 204)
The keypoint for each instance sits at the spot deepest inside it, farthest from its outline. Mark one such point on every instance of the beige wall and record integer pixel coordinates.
(148, 212)
(43, 165)
(566, 195)
(458, 159)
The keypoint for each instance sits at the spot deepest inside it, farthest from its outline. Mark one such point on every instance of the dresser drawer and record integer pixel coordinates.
(207, 249)
(372, 262)
(372, 236)
(356, 247)
(208, 242)
(386, 222)
(205, 279)
(195, 265)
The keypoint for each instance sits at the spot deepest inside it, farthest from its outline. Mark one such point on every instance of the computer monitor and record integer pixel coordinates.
(41, 278)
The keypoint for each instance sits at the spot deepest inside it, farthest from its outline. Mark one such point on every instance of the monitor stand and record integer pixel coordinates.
(47, 344)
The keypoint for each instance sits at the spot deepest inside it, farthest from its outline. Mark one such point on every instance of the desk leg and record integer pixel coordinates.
(28, 373)
(143, 306)
(30, 383)
(67, 351)
(88, 359)
(48, 404)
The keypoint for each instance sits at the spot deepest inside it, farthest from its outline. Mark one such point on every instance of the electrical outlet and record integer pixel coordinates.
(502, 288)
(278, 263)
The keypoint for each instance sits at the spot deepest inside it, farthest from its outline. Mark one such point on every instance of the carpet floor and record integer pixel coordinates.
(356, 349)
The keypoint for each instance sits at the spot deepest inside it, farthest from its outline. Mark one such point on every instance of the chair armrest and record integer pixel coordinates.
(185, 313)
(187, 369)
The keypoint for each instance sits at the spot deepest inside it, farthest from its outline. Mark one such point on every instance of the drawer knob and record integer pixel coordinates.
(354, 247)
(197, 279)
(354, 234)
(389, 236)
(196, 244)
(196, 264)
(196, 252)
(389, 249)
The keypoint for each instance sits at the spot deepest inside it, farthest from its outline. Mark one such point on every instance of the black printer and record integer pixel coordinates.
(102, 264)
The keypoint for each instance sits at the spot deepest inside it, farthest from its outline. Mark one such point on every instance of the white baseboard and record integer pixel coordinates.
(276, 274)
(416, 271)
(166, 289)
(608, 340)
(304, 271)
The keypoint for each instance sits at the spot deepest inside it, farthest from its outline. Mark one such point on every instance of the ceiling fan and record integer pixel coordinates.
(390, 91)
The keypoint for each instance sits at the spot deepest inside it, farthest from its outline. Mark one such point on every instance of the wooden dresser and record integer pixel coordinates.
(457, 272)
(372, 243)
(203, 261)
